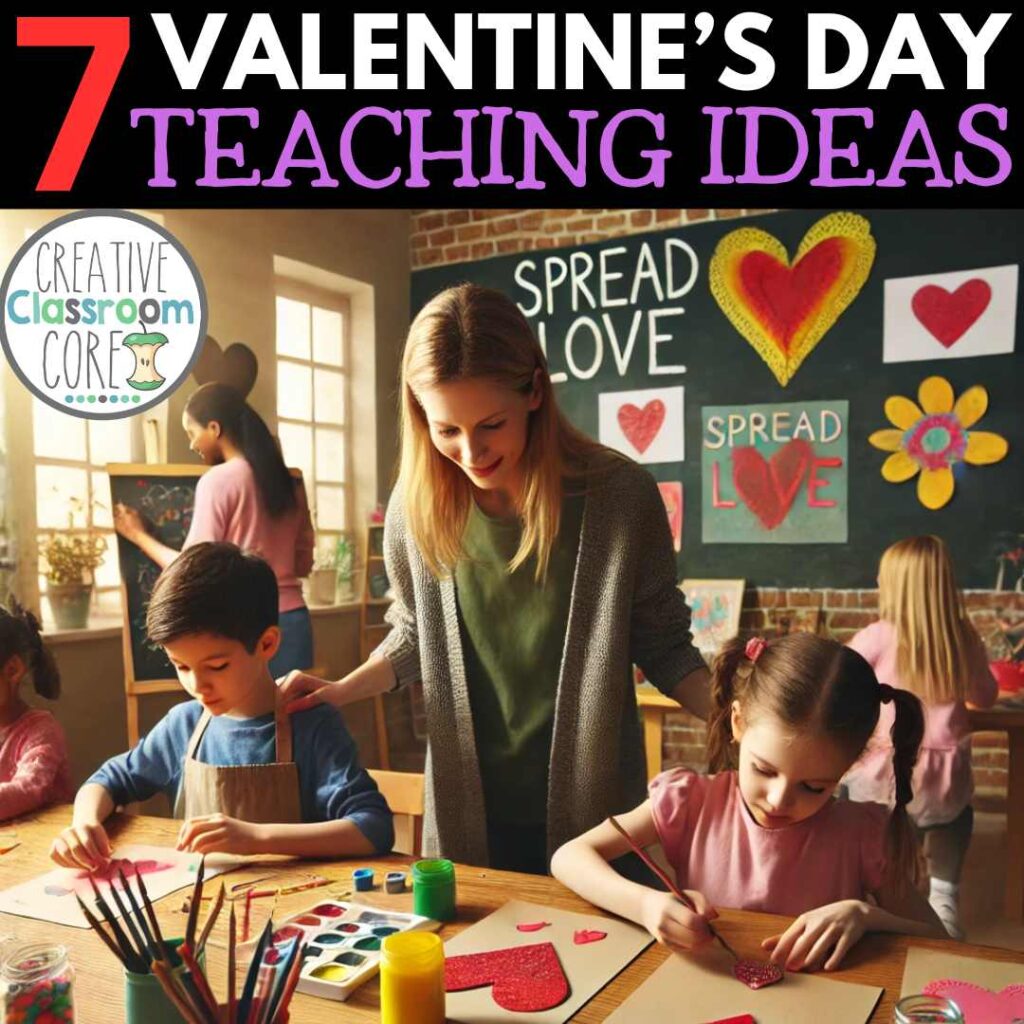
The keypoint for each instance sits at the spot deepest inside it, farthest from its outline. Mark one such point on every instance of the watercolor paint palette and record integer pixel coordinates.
(342, 944)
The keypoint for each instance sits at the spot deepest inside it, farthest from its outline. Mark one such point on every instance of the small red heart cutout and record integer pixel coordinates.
(641, 426)
(948, 316)
(523, 979)
(757, 973)
(585, 935)
(534, 926)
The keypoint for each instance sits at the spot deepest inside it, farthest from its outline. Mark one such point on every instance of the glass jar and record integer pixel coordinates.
(37, 980)
(927, 1010)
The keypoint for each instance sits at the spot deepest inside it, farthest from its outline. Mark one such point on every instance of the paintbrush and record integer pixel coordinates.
(181, 1002)
(232, 933)
(140, 946)
(247, 917)
(261, 999)
(245, 1003)
(291, 983)
(672, 887)
(131, 958)
(161, 945)
(138, 914)
(281, 981)
(211, 920)
(98, 929)
(193, 911)
(202, 985)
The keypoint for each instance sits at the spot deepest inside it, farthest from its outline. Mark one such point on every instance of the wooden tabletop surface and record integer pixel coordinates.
(876, 960)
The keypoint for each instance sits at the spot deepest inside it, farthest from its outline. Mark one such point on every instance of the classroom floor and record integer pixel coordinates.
(982, 887)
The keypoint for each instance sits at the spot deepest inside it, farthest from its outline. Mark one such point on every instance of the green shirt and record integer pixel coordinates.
(513, 634)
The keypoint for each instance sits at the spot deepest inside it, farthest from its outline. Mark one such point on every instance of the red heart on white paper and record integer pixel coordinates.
(641, 426)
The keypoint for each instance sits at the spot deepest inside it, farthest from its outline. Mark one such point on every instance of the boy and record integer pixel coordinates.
(225, 758)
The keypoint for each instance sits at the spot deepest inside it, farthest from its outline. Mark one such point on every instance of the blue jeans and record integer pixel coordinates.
(296, 650)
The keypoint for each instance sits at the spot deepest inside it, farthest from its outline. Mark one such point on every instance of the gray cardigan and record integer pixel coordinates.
(625, 608)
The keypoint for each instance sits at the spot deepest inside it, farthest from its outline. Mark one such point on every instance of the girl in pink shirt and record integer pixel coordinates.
(248, 498)
(925, 643)
(33, 754)
(789, 717)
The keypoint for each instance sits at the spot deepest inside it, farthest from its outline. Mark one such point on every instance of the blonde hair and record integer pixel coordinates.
(917, 593)
(469, 332)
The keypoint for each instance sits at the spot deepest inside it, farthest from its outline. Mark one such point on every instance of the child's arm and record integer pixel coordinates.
(84, 844)
(39, 762)
(824, 936)
(217, 832)
(583, 865)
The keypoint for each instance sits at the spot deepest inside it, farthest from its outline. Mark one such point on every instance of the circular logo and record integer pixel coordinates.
(103, 314)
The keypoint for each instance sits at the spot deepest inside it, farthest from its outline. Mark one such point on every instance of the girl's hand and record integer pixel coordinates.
(82, 845)
(806, 943)
(128, 522)
(217, 833)
(300, 691)
(675, 926)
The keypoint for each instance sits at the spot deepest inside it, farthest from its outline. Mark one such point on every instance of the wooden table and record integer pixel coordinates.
(876, 960)
(1004, 718)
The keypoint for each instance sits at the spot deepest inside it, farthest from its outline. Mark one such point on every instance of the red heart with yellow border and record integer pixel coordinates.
(784, 309)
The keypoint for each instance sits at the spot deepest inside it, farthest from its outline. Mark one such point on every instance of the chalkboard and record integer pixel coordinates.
(680, 325)
(165, 495)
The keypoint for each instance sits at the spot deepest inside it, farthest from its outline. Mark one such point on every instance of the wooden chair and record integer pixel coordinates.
(404, 794)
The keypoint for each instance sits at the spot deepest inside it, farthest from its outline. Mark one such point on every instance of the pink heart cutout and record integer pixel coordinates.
(981, 1005)
(585, 935)
(947, 316)
(641, 426)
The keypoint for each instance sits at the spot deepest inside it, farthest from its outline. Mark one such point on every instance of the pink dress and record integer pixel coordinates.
(943, 781)
(716, 847)
(228, 508)
(33, 765)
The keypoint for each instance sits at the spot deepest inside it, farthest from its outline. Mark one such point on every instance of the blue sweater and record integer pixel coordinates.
(332, 784)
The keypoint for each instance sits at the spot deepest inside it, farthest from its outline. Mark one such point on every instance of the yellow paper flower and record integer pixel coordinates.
(932, 435)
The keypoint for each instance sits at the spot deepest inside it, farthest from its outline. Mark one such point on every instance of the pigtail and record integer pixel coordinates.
(21, 634)
(907, 733)
(720, 752)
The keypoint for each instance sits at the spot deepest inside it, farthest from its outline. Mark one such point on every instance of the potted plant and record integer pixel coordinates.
(71, 559)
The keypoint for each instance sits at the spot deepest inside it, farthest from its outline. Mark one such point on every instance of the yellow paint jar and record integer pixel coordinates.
(412, 979)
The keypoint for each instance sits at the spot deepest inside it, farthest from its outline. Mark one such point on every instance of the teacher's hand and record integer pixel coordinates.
(128, 522)
(300, 691)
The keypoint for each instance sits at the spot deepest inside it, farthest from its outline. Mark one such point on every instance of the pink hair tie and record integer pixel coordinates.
(755, 645)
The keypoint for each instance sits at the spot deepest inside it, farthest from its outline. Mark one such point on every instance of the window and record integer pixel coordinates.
(312, 400)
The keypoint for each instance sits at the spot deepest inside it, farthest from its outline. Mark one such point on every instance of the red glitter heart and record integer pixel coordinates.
(524, 979)
(533, 926)
(757, 973)
(585, 935)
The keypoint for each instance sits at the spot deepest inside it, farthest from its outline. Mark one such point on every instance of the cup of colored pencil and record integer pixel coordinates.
(165, 980)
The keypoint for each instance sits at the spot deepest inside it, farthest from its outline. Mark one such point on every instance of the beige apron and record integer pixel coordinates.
(261, 793)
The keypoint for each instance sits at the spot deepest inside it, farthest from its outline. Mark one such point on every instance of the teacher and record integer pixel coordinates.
(531, 568)
(249, 498)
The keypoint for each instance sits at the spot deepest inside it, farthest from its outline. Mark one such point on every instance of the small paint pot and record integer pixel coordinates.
(363, 879)
(394, 882)
(433, 889)
(328, 910)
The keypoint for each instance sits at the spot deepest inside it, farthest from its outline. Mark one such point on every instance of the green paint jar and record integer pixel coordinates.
(433, 889)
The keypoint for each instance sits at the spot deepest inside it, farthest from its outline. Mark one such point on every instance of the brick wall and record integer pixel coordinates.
(454, 236)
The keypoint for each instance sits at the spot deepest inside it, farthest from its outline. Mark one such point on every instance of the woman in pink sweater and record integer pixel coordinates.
(33, 754)
(925, 643)
(248, 498)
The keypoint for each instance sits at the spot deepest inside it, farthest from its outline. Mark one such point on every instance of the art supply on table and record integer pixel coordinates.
(412, 979)
(586, 968)
(147, 1000)
(927, 1010)
(363, 879)
(433, 889)
(394, 882)
(37, 979)
(967, 980)
(342, 944)
(9, 841)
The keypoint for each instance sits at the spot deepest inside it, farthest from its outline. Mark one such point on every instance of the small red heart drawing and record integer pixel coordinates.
(641, 426)
(585, 935)
(948, 316)
(757, 973)
(768, 487)
(980, 1005)
(523, 979)
(534, 926)
(784, 297)
(743, 1018)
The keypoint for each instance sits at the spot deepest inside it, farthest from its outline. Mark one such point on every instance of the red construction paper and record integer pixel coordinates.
(784, 297)
(948, 316)
(534, 926)
(585, 935)
(981, 1005)
(757, 973)
(523, 979)
(768, 486)
(641, 426)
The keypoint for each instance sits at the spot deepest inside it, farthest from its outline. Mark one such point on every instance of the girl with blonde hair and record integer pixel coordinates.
(924, 642)
(531, 568)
